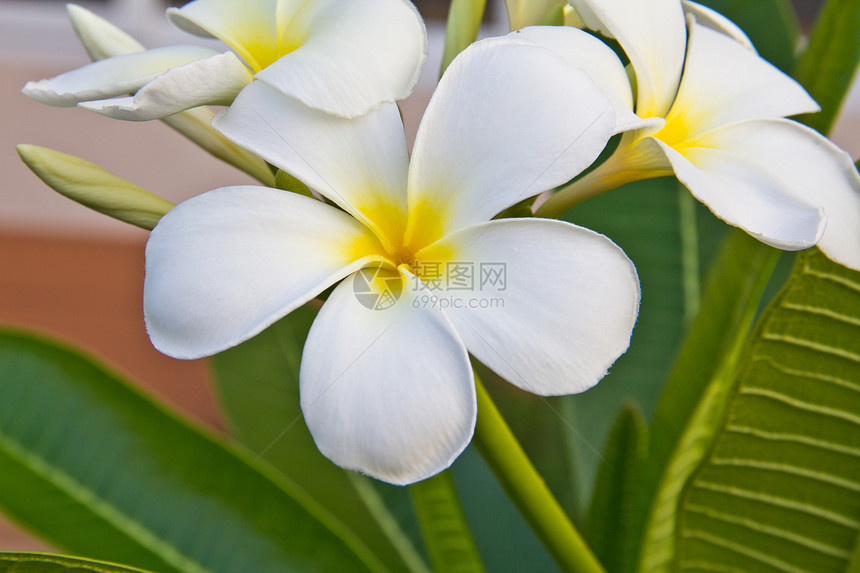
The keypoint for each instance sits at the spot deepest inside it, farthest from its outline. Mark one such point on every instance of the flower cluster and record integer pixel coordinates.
(386, 379)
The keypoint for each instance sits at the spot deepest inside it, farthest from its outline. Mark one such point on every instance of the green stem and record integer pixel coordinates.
(564, 198)
(528, 491)
(464, 21)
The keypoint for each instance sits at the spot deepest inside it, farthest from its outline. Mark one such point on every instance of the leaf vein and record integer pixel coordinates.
(780, 502)
(819, 311)
(796, 438)
(101, 507)
(768, 529)
(744, 550)
(817, 376)
(791, 470)
(809, 344)
(802, 405)
(846, 282)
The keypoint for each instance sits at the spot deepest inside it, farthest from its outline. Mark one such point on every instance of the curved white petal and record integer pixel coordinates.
(226, 264)
(585, 52)
(563, 313)
(507, 121)
(216, 80)
(111, 77)
(387, 392)
(813, 168)
(748, 195)
(716, 21)
(248, 26)
(353, 55)
(724, 83)
(100, 38)
(653, 34)
(360, 164)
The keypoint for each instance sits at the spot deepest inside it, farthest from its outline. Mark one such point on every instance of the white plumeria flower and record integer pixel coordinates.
(720, 128)
(340, 56)
(390, 392)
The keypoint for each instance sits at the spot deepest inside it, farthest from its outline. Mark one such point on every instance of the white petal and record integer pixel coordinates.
(248, 26)
(507, 121)
(585, 52)
(813, 168)
(748, 195)
(211, 81)
(653, 34)
(354, 55)
(564, 312)
(100, 38)
(359, 164)
(386, 392)
(716, 21)
(226, 264)
(724, 82)
(111, 77)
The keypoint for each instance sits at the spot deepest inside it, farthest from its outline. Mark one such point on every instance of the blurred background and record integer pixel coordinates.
(77, 275)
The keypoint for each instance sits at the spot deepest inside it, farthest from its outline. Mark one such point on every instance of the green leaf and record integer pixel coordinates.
(645, 219)
(258, 383)
(772, 25)
(830, 61)
(731, 297)
(779, 490)
(45, 563)
(609, 520)
(97, 468)
(446, 532)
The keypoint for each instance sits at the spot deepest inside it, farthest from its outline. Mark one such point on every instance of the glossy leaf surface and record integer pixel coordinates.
(97, 468)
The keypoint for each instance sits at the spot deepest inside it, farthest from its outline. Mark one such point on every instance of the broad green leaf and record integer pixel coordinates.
(258, 383)
(830, 61)
(610, 516)
(645, 219)
(772, 25)
(98, 469)
(734, 285)
(444, 526)
(695, 395)
(464, 20)
(46, 563)
(780, 487)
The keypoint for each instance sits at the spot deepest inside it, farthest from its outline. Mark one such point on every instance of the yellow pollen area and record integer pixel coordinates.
(429, 264)
(683, 128)
(426, 224)
(261, 52)
(261, 45)
(402, 257)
